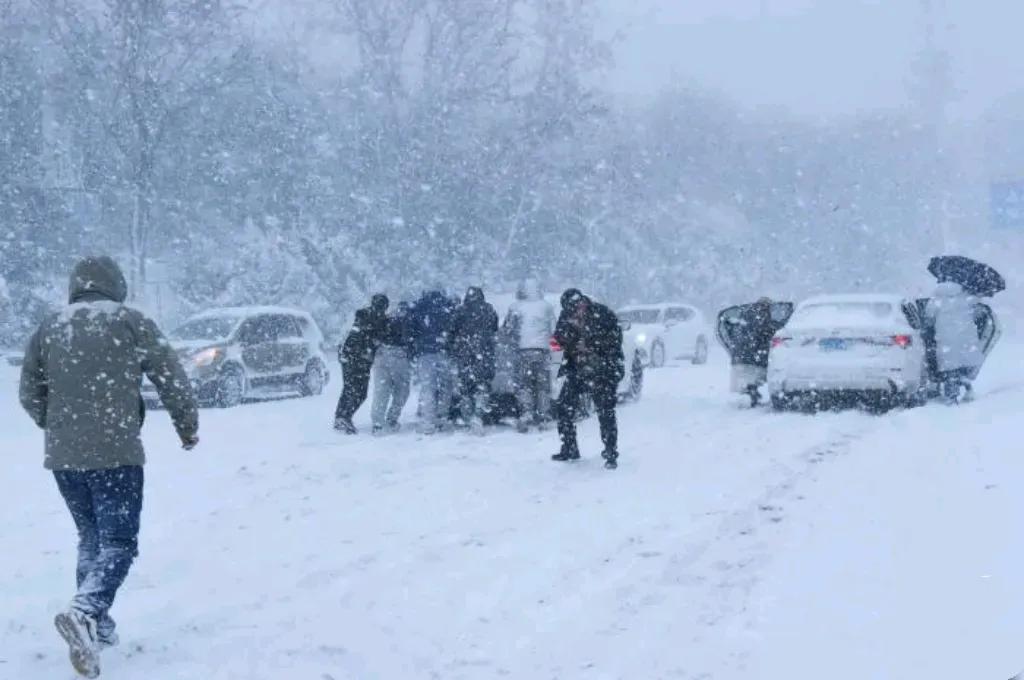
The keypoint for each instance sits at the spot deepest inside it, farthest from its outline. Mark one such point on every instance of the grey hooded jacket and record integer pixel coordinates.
(83, 371)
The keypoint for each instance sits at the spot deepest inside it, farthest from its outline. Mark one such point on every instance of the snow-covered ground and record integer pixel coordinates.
(729, 544)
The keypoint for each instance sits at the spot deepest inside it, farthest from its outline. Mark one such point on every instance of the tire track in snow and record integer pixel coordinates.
(719, 573)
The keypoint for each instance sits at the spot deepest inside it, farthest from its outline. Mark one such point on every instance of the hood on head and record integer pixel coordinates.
(948, 289)
(475, 295)
(529, 289)
(379, 303)
(97, 277)
(572, 298)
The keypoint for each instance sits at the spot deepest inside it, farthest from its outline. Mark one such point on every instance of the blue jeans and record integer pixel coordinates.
(105, 505)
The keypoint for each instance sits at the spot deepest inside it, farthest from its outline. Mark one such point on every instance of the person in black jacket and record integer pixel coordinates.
(475, 329)
(356, 357)
(753, 338)
(593, 363)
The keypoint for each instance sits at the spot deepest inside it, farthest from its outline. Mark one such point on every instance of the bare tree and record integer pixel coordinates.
(144, 66)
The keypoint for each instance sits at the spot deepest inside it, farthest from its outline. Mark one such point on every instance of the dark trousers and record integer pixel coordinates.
(570, 402)
(356, 374)
(474, 390)
(106, 506)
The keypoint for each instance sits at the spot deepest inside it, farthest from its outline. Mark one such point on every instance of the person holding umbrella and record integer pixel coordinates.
(957, 352)
(951, 316)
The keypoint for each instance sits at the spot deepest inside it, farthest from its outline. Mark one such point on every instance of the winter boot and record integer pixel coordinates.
(344, 425)
(611, 459)
(106, 632)
(107, 640)
(79, 631)
(566, 455)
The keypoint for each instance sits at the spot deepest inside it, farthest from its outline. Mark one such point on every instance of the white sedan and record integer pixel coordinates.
(860, 345)
(667, 331)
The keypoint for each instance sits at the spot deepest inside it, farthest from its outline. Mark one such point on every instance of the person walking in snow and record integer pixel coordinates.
(80, 383)
(475, 328)
(356, 357)
(531, 322)
(593, 363)
(958, 351)
(392, 371)
(431, 322)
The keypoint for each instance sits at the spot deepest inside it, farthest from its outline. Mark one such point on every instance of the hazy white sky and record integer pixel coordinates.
(815, 56)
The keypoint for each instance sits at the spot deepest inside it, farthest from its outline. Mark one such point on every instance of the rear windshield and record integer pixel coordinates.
(639, 315)
(839, 314)
(206, 328)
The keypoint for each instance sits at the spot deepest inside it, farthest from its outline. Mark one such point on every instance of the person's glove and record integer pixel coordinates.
(189, 443)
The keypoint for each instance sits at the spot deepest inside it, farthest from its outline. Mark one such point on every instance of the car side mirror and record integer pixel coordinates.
(625, 325)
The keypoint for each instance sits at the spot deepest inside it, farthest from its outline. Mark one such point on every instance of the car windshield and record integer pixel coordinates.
(639, 315)
(206, 328)
(841, 314)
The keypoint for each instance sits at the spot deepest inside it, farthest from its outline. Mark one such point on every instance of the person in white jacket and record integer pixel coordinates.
(531, 321)
(957, 345)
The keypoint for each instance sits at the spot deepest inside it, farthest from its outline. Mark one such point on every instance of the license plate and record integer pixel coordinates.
(833, 345)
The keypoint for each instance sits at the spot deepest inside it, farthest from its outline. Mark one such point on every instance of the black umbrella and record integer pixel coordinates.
(977, 278)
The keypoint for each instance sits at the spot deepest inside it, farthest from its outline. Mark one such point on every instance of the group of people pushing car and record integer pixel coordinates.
(452, 345)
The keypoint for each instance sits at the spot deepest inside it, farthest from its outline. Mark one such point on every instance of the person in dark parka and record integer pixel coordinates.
(593, 363)
(753, 339)
(80, 383)
(356, 357)
(475, 328)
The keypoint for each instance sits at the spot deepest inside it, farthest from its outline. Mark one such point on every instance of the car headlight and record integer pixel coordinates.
(207, 357)
(641, 338)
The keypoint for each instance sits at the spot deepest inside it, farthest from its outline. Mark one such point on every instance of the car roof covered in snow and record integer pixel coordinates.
(850, 298)
(241, 312)
(658, 306)
(854, 310)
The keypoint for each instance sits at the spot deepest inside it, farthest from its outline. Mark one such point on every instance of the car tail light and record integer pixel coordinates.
(555, 347)
(902, 341)
(779, 341)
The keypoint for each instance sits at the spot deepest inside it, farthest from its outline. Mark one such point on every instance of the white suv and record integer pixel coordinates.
(667, 331)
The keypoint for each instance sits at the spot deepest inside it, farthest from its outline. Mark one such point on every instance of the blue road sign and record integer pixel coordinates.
(1006, 201)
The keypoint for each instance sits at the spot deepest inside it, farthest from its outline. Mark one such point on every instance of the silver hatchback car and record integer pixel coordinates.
(234, 353)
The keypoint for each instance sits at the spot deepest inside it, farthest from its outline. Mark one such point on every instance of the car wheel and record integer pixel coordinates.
(312, 383)
(230, 391)
(700, 352)
(657, 354)
(636, 378)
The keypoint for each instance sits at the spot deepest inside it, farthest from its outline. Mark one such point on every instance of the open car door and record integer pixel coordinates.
(989, 333)
(989, 330)
(730, 321)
